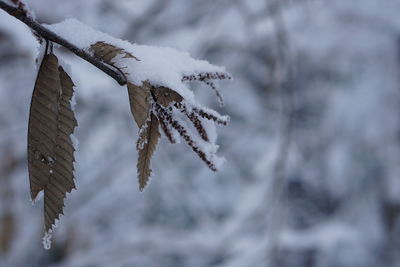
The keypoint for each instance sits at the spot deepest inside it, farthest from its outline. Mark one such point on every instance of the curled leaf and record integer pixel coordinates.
(108, 52)
(139, 99)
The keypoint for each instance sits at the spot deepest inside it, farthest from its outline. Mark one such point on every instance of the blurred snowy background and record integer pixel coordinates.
(312, 177)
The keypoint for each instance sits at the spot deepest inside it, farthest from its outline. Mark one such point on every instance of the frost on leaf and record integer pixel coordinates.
(146, 145)
(50, 149)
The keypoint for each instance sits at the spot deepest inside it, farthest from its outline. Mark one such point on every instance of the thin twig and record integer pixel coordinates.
(49, 35)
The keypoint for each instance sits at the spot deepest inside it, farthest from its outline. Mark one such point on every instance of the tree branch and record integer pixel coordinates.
(51, 36)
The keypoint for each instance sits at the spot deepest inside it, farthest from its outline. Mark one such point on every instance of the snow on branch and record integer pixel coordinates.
(160, 66)
(159, 95)
(156, 78)
(43, 33)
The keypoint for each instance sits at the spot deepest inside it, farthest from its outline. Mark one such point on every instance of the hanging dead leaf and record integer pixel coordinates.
(139, 99)
(42, 126)
(146, 145)
(62, 176)
(50, 148)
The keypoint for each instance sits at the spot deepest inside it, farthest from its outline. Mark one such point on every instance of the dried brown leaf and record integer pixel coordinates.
(139, 99)
(42, 127)
(62, 176)
(147, 142)
(165, 96)
(108, 52)
(50, 148)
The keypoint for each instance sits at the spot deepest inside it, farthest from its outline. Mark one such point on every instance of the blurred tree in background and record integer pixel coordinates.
(313, 148)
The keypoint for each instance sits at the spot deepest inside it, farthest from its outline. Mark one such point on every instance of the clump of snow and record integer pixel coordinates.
(41, 51)
(160, 65)
(47, 240)
(143, 141)
(48, 235)
(75, 141)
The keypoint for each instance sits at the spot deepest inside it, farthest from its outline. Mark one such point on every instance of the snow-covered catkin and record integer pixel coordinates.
(195, 120)
(198, 125)
(206, 76)
(164, 127)
(183, 132)
(216, 91)
(206, 114)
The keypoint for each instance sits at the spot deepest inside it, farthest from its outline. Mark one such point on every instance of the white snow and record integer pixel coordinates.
(161, 66)
(158, 65)
(47, 240)
(346, 93)
(143, 141)
(48, 235)
(9, 2)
